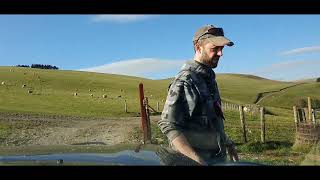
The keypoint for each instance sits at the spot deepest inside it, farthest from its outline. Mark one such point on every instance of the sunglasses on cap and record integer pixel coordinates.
(212, 31)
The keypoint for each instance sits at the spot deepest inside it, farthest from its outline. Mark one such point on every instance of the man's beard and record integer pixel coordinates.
(211, 62)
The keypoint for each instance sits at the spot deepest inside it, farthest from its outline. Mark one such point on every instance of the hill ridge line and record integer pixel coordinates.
(260, 96)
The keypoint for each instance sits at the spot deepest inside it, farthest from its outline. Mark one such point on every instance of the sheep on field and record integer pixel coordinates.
(3, 83)
(75, 94)
(23, 86)
(91, 95)
(104, 96)
(29, 91)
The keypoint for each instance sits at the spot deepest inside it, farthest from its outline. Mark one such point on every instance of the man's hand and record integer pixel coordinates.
(183, 146)
(232, 151)
(201, 161)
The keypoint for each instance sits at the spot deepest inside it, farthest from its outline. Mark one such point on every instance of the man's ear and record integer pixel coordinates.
(197, 48)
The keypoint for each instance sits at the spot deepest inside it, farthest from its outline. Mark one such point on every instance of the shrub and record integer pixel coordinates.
(301, 103)
(315, 103)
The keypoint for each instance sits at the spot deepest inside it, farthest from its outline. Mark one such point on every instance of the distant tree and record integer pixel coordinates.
(22, 65)
(318, 79)
(41, 66)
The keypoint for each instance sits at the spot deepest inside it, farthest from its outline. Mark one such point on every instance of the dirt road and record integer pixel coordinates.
(64, 130)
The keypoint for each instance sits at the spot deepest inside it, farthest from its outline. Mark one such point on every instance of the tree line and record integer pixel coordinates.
(39, 66)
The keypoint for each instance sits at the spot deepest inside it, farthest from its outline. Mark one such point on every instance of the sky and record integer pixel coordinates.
(278, 47)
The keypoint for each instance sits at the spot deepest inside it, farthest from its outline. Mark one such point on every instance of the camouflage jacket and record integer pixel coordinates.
(193, 107)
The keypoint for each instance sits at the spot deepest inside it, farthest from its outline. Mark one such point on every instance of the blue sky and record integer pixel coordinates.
(280, 47)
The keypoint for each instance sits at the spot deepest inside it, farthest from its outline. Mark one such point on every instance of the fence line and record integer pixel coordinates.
(247, 108)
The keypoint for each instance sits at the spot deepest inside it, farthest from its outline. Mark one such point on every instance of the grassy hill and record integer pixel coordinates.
(288, 97)
(238, 88)
(53, 91)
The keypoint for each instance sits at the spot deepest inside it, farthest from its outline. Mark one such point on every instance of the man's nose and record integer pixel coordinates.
(219, 53)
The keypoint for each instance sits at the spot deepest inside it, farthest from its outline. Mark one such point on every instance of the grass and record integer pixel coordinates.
(286, 99)
(53, 95)
(234, 87)
(4, 131)
(53, 91)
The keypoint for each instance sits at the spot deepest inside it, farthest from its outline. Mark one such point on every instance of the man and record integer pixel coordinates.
(192, 118)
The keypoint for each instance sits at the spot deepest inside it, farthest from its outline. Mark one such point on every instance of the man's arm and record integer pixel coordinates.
(173, 118)
(182, 145)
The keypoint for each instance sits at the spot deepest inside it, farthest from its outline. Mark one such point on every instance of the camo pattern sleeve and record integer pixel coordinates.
(178, 108)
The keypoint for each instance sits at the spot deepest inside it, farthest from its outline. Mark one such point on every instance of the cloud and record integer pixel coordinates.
(144, 67)
(301, 50)
(123, 18)
(291, 70)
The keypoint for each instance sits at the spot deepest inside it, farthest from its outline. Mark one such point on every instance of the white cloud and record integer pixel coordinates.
(123, 18)
(144, 67)
(301, 50)
(291, 70)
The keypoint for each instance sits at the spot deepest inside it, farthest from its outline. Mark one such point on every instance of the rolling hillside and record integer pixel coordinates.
(286, 98)
(239, 88)
(53, 91)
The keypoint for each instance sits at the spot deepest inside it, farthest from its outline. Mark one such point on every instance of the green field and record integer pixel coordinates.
(286, 98)
(53, 93)
(245, 88)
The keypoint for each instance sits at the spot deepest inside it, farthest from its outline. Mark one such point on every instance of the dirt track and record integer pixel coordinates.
(63, 130)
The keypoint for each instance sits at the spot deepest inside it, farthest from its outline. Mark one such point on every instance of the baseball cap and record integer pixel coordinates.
(213, 34)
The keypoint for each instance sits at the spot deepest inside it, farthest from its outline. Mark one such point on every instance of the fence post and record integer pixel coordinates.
(143, 114)
(295, 115)
(158, 109)
(314, 117)
(148, 120)
(125, 106)
(263, 125)
(309, 110)
(243, 123)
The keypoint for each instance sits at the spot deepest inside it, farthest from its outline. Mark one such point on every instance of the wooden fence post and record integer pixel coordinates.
(243, 123)
(314, 122)
(295, 115)
(263, 125)
(144, 120)
(158, 108)
(309, 110)
(125, 106)
(148, 120)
